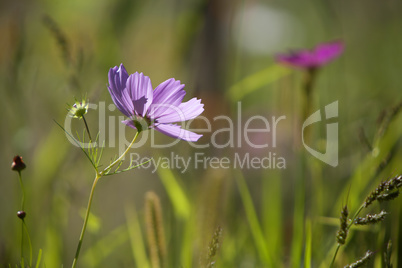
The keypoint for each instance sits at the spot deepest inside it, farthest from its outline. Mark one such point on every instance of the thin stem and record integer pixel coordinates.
(29, 242)
(308, 85)
(336, 252)
(87, 128)
(348, 227)
(23, 190)
(121, 156)
(22, 208)
(84, 226)
(22, 241)
(355, 216)
(98, 176)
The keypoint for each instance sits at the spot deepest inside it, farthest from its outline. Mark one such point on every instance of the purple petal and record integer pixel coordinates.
(300, 58)
(324, 53)
(168, 92)
(321, 55)
(192, 108)
(185, 111)
(140, 90)
(127, 102)
(117, 83)
(129, 122)
(177, 132)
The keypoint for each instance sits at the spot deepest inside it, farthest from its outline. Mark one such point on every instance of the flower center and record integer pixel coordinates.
(142, 123)
(79, 109)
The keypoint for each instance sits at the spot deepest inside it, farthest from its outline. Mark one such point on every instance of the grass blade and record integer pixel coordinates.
(256, 81)
(175, 192)
(307, 250)
(136, 239)
(39, 258)
(252, 218)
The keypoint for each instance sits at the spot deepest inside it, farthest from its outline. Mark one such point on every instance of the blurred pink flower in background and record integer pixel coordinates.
(311, 59)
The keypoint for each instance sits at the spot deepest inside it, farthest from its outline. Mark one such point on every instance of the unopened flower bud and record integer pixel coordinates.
(18, 164)
(21, 214)
(78, 109)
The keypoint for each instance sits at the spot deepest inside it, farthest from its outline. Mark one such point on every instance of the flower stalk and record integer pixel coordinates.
(308, 85)
(19, 165)
(87, 128)
(22, 219)
(385, 191)
(91, 194)
(23, 191)
(84, 226)
(346, 230)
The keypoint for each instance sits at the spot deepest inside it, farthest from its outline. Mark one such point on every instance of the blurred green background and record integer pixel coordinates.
(54, 51)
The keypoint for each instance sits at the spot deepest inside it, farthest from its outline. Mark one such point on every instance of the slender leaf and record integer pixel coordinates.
(256, 81)
(307, 247)
(136, 240)
(252, 218)
(39, 258)
(181, 204)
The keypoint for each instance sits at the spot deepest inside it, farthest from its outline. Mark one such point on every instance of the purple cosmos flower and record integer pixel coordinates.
(310, 59)
(146, 108)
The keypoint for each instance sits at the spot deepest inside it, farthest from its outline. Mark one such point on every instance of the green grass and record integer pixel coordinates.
(269, 218)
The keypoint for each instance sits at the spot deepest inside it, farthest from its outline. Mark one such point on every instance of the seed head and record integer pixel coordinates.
(21, 214)
(343, 228)
(371, 218)
(78, 109)
(18, 164)
(362, 261)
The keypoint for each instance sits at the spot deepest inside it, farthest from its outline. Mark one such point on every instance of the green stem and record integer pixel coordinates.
(97, 177)
(22, 209)
(22, 241)
(87, 128)
(333, 258)
(29, 242)
(350, 225)
(84, 226)
(23, 190)
(308, 85)
(121, 156)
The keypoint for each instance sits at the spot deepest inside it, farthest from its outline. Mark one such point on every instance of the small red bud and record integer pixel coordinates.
(21, 214)
(18, 164)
